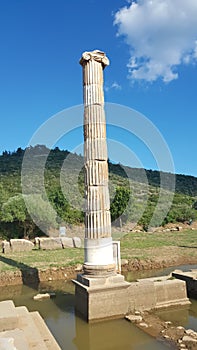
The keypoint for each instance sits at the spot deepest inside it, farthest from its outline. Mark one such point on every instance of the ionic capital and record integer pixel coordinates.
(95, 55)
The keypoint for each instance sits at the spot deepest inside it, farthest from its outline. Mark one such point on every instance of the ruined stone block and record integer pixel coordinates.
(6, 248)
(77, 242)
(8, 316)
(21, 245)
(50, 243)
(67, 242)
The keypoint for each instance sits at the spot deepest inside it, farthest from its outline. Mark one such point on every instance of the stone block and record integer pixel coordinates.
(21, 245)
(6, 248)
(67, 242)
(50, 243)
(44, 331)
(20, 329)
(96, 173)
(43, 296)
(31, 332)
(134, 318)
(77, 242)
(36, 241)
(13, 340)
(104, 299)
(170, 292)
(142, 295)
(8, 316)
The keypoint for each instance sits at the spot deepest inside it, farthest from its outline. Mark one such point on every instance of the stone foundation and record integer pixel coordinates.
(113, 297)
(99, 298)
(157, 293)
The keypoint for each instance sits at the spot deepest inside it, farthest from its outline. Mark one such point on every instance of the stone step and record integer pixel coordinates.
(26, 323)
(46, 335)
(13, 340)
(8, 316)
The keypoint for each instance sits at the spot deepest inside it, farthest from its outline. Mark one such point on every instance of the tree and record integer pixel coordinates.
(39, 214)
(119, 205)
(14, 213)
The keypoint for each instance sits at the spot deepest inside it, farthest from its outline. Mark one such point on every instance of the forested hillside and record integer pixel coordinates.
(134, 193)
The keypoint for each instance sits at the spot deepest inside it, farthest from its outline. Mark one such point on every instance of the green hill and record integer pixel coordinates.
(134, 192)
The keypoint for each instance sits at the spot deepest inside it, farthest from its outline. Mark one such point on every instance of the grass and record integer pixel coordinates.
(186, 238)
(133, 246)
(41, 259)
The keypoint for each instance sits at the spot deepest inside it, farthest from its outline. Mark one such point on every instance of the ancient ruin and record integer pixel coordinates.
(21, 329)
(98, 240)
(101, 292)
(99, 266)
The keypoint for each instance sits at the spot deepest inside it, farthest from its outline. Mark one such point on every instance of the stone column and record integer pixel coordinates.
(99, 292)
(98, 250)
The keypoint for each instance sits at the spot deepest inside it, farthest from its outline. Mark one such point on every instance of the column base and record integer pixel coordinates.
(99, 270)
(98, 298)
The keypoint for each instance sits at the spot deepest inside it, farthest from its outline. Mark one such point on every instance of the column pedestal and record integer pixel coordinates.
(101, 298)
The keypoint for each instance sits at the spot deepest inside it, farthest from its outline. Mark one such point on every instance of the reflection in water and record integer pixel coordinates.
(134, 275)
(178, 316)
(113, 335)
(72, 333)
(184, 316)
(193, 315)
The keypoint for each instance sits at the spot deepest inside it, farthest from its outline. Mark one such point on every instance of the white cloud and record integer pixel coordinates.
(114, 85)
(161, 34)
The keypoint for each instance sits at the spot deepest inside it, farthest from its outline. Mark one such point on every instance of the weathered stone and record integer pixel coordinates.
(67, 242)
(143, 324)
(17, 340)
(21, 245)
(31, 332)
(42, 296)
(191, 332)
(8, 315)
(148, 293)
(106, 299)
(77, 242)
(50, 243)
(6, 248)
(7, 344)
(22, 330)
(137, 313)
(134, 318)
(79, 268)
(97, 295)
(49, 340)
(188, 338)
(36, 241)
(97, 202)
(170, 292)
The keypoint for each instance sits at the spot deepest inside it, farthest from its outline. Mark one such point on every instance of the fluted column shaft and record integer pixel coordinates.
(97, 211)
(98, 249)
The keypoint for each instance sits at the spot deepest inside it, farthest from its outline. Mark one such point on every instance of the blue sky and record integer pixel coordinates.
(152, 47)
